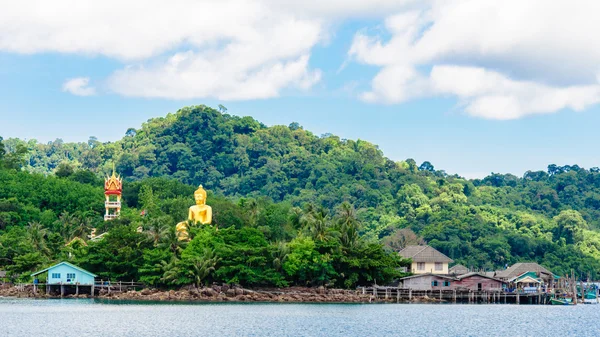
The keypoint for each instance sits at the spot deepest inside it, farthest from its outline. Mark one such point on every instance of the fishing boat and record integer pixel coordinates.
(560, 301)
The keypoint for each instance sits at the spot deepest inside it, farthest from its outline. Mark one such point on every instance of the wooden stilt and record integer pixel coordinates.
(77, 289)
(62, 290)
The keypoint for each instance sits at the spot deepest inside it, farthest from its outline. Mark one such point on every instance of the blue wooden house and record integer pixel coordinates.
(66, 274)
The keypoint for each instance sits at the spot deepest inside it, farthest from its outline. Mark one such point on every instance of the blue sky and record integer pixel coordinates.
(449, 88)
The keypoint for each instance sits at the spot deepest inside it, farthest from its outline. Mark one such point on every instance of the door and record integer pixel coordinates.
(479, 287)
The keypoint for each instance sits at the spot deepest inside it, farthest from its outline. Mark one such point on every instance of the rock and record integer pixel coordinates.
(230, 292)
(239, 291)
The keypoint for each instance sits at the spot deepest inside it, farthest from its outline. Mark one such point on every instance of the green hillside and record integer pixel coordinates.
(286, 194)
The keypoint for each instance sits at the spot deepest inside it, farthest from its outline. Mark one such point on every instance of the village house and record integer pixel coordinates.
(469, 281)
(65, 275)
(534, 270)
(426, 260)
(428, 282)
(478, 282)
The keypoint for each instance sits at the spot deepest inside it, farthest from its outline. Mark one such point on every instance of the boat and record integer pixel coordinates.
(560, 301)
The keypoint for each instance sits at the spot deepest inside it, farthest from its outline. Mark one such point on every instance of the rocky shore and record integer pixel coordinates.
(225, 293)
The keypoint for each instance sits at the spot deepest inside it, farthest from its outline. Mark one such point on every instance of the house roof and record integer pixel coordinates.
(64, 263)
(521, 268)
(467, 275)
(424, 254)
(458, 269)
(429, 274)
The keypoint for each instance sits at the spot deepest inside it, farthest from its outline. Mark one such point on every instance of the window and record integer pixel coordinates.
(434, 283)
(420, 265)
(439, 266)
(446, 283)
(55, 275)
(70, 275)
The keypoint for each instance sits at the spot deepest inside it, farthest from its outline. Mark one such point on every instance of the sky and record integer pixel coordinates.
(474, 87)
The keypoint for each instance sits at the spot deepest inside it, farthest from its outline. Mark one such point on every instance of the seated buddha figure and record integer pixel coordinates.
(199, 213)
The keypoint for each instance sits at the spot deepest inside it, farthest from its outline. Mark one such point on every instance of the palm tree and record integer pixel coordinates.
(202, 267)
(66, 223)
(317, 223)
(169, 240)
(37, 236)
(280, 255)
(83, 227)
(348, 225)
(155, 230)
(253, 211)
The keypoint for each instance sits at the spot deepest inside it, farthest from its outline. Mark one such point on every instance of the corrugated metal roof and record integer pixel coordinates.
(459, 269)
(424, 254)
(464, 276)
(65, 263)
(520, 268)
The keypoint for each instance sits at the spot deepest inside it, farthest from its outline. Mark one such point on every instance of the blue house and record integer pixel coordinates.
(66, 274)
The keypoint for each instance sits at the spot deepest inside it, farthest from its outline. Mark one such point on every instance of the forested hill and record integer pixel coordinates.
(551, 217)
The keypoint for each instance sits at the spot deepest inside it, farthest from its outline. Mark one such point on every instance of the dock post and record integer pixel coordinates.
(454, 295)
(518, 299)
(440, 294)
(398, 295)
(410, 294)
(62, 290)
(47, 289)
(363, 290)
(93, 288)
(77, 289)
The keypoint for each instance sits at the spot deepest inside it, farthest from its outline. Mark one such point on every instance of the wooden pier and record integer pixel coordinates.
(77, 289)
(399, 295)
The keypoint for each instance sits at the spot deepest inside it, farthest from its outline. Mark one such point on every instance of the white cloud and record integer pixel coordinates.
(79, 86)
(502, 59)
(230, 49)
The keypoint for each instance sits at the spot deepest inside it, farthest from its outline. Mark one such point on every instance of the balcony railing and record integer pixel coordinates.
(112, 204)
(110, 216)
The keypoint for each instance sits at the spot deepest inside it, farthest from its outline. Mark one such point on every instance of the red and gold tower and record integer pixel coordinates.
(113, 187)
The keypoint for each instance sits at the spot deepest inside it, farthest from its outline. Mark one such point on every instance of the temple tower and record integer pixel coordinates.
(113, 187)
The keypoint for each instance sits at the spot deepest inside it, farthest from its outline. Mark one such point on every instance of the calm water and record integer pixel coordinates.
(24, 317)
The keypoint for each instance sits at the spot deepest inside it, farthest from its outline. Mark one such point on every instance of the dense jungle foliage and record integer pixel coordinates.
(290, 207)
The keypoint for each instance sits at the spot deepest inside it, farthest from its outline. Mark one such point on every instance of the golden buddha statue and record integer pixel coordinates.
(199, 213)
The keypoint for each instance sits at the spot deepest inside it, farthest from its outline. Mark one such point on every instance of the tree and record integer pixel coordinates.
(222, 108)
(401, 238)
(2, 150)
(570, 225)
(426, 166)
(348, 225)
(64, 170)
(131, 132)
(16, 160)
(38, 236)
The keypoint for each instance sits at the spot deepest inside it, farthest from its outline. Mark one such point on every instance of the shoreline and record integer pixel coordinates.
(223, 294)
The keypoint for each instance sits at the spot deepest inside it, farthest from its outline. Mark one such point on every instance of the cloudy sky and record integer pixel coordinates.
(472, 86)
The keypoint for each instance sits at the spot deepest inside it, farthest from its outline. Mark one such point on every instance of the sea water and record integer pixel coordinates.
(77, 318)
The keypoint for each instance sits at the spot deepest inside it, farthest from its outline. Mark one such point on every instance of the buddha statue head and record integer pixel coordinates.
(200, 196)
